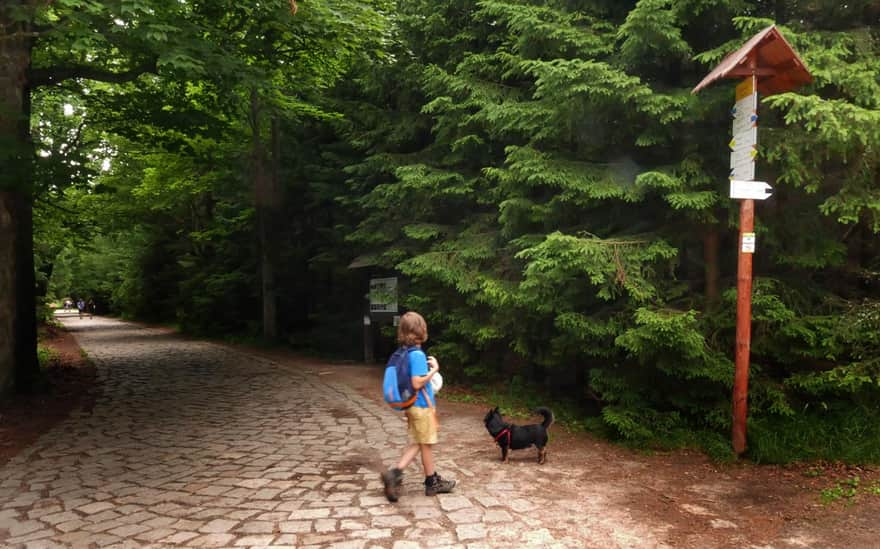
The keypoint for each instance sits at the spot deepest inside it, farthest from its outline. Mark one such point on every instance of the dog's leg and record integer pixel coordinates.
(542, 455)
(504, 454)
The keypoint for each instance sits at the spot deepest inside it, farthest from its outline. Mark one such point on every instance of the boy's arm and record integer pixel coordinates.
(422, 370)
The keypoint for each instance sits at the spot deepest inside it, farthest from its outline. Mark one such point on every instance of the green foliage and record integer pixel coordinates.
(576, 129)
(848, 489)
(538, 175)
(651, 33)
(46, 356)
(841, 432)
(173, 241)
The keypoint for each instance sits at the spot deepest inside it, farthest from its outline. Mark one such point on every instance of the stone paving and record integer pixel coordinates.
(195, 444)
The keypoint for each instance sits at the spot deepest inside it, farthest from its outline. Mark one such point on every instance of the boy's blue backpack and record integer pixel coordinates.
(397, 385)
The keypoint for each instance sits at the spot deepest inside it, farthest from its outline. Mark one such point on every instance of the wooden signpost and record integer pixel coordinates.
(768, 65)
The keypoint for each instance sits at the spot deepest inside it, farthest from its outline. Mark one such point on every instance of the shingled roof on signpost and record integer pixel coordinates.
(779, 69)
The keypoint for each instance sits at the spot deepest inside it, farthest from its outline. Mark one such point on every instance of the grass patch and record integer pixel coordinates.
(849, 491)
(46, 356)
(848, 435)
(846, 489)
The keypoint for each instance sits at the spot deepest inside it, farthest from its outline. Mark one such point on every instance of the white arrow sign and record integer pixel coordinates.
(744, 190)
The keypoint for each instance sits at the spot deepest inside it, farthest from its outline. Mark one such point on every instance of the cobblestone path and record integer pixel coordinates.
(194, 444)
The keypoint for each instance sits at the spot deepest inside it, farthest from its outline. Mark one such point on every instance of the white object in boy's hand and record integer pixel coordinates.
(436, 381)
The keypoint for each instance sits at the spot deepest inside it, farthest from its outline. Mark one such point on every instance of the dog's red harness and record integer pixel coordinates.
(506, 431)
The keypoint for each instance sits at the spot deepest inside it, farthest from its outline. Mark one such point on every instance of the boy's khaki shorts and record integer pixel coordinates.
(421, 425)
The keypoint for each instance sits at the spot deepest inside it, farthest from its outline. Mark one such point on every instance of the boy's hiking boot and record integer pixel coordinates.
(435, 485)
(392, 479)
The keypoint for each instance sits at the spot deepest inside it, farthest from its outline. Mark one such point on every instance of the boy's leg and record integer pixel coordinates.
(392, 478)
(427, 459)
(408, 455)
(434, 484)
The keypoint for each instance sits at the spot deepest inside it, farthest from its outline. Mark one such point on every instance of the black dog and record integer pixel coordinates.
(517, 437)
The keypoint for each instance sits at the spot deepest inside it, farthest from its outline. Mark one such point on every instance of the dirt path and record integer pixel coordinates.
(198, 444)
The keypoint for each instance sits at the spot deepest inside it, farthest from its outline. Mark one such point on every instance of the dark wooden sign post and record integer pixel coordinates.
(768, 65)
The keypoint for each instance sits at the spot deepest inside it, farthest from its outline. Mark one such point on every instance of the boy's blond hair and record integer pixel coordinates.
(412, 329)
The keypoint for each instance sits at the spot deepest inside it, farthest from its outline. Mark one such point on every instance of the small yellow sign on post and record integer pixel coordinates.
(748, 243)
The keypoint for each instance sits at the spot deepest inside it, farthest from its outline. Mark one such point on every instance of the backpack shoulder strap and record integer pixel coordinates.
(427, 398)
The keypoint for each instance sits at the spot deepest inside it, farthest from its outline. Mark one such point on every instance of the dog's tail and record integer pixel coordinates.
(548, 416)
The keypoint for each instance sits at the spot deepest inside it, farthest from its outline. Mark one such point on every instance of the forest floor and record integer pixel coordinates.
(682, 497)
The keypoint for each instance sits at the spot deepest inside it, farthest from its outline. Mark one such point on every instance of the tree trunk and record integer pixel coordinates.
(27, 366)
(7, 290)
(779, 12)
(18, 331)
(264, 199)
(270, 224)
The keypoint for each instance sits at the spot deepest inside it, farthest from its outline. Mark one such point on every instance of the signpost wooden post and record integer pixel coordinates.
(769, 65)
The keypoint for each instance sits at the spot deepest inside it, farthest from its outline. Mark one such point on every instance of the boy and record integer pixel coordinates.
(421, 422)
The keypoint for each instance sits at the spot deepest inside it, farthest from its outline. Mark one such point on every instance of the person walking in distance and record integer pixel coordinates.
(81, 306)
(421, 420)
